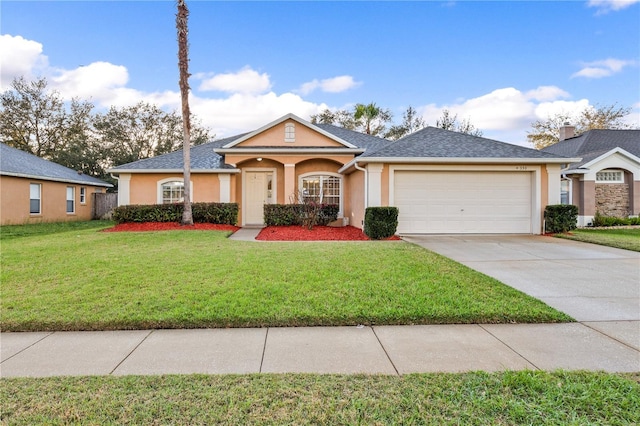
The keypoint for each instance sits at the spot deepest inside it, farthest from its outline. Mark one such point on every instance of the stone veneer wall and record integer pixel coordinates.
(612, 199)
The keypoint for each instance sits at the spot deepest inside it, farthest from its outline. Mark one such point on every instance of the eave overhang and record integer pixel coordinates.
(52, 179)
(119, 171)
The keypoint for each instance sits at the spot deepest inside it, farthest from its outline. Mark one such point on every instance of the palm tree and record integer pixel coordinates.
(183, 64)
(375, 118)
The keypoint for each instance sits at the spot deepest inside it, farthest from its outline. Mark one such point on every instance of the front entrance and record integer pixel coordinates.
(258, 191)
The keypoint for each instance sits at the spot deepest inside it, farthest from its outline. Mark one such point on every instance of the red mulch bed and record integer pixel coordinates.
(168, 226)
(318, 233)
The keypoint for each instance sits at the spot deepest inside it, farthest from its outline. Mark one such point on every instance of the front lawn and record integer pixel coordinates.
(628, 239)
(83, 279)
(506, 398)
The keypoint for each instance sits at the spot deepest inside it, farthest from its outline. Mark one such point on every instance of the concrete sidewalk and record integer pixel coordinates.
(608, 346)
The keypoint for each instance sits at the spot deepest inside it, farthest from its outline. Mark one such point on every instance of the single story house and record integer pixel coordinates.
(607, 179)
(33, 189)
(441, 181)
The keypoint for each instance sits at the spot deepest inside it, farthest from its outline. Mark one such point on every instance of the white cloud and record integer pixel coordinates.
(603, 68)
(246, 80)
(505, 114)
(20, 58)
(337, 84)
(98, 81)
(606, 6)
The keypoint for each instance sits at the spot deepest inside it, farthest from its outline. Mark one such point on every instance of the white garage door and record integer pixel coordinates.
(463, 202)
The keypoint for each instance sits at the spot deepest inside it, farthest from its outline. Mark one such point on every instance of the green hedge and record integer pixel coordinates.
(599, 220)
(560, 218)
(380, 222)
(220, 213)
(292, 214)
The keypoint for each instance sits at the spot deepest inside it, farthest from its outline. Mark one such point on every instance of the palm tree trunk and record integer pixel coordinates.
(183, 65)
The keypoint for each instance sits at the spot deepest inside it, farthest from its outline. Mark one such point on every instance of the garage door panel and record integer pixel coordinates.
(463, 202)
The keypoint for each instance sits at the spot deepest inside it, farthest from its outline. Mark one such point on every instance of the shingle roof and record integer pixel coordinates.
(14, 162)
(593, 143)
(202, 158)
(433, 142)
(361, 140)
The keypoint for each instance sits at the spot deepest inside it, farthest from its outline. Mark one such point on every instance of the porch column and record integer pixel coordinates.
(123, 189)
(289, 183)
(375, 184)
(225, 187)
(553, 184)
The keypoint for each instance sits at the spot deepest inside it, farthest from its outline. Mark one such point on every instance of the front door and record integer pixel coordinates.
(258, 192)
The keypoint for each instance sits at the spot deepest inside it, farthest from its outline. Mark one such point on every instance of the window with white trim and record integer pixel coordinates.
(71, 199)
(289, 132)
(35, 198)
(610, 176)
(565, 191)
(324, 189)
(83, 195)
(172, 192)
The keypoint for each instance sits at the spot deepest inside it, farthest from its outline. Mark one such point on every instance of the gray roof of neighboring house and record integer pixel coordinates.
(202, 158)
(14, 162)
(433, 142)
(593, 143)
(361, 140)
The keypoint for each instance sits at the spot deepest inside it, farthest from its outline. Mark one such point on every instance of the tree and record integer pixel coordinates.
(547, 132)
(183, 64)
(449, 122)
(341, 118)
(411, 122)
(372, 118)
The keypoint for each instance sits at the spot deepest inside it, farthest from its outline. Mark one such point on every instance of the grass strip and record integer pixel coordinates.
(88, 280)
(627, 239)
(505, 398)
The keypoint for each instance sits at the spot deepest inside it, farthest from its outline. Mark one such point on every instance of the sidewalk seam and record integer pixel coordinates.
(31, 345)
(606, 335)
(508, 346)
(129, 354)
(385, 351)
(264, 349)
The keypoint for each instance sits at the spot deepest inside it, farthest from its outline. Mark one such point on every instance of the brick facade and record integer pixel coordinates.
(612, 199)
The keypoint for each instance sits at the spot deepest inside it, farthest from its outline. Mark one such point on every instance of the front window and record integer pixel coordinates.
(321, 189)
(83, 195)
(565, 191)
(172, 192)
(610, 176)
(71, 199)
(35, 190)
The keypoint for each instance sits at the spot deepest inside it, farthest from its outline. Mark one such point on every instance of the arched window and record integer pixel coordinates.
(289, 132)
(172, 192)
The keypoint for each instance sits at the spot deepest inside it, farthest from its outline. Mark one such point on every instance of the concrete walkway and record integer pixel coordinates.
(393, 350)
(246, 234)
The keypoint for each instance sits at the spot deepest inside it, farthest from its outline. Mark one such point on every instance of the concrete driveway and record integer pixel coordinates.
(587, 281)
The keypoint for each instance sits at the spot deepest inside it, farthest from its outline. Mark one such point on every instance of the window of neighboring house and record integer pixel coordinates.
(71, 199)
(610, 176)
(565, 191)
(323, 189)
(35, 198)
(172, 192)
(83, 195)
(289, 132)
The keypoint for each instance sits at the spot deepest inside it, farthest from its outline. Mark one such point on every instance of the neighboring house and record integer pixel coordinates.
(441, 181)
(607, 179)
(33, 189)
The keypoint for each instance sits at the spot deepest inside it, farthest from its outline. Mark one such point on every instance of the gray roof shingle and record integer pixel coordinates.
(433, 142)
(593, 143)
(14, 162)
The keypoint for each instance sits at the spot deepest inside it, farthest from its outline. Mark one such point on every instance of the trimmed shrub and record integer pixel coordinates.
(219, 213)
(599, 220)
(295, 214)
(380, 222)
(560, 218)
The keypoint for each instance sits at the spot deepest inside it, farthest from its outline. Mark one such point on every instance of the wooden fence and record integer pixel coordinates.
(103, 204)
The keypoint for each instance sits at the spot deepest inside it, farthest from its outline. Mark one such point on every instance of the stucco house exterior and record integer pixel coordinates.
(33, 189)
(441, 181)
(607, 179)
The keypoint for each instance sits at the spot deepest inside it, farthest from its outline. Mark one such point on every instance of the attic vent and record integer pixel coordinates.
(289, 132)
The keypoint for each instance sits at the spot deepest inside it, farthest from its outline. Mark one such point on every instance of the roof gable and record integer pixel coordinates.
(272, 135)
(14, 162)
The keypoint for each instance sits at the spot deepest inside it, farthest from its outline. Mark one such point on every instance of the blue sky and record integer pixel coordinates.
(501, 64)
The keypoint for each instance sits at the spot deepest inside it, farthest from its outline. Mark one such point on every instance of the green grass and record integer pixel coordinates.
(506, 398)
(15, 231)
(89, 280)
(628, 239)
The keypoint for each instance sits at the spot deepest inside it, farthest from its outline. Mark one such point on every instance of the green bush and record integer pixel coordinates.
(293, 214)
(219, 213)
(599, 220)
(560, 218)
(380, 222)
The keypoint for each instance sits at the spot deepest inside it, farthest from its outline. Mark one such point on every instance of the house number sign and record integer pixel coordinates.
(521, 168)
